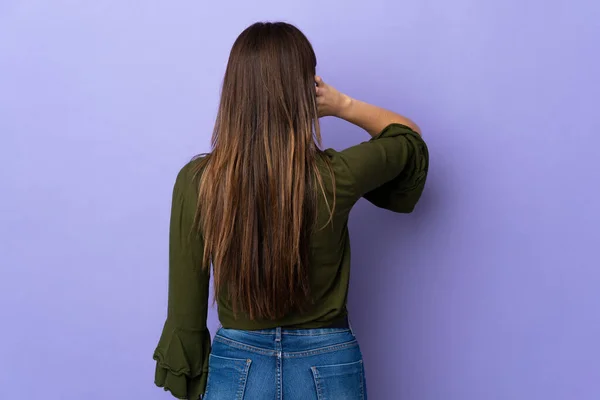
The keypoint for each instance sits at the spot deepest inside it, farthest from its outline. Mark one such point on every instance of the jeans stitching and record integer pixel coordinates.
(317, 334)
(243, 380)
(321, 350)
(318, 384)
(317, 381)
(279, 350)
(300, 333)
(243, 346)
(362, 380)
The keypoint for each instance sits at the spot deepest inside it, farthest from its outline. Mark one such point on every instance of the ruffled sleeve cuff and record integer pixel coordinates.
(402, 193)
(182, 362)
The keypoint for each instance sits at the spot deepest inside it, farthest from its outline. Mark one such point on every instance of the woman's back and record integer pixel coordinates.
(358, 171)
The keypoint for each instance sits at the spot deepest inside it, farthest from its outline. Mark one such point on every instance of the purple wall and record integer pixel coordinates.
(489, 291)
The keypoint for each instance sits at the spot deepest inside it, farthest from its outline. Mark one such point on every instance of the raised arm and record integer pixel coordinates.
(389, 170)
(371, 118)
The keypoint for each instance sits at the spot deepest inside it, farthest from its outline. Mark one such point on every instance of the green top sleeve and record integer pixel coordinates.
(184, 346)
(389, 170)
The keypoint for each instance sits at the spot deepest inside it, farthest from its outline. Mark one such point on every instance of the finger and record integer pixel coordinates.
(319, 80)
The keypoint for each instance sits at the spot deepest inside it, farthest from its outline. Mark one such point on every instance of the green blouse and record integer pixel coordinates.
(389, 171)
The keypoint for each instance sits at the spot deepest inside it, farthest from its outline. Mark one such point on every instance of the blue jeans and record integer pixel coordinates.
(280, 364)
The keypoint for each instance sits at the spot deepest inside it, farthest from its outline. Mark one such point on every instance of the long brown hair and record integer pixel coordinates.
(258, 187)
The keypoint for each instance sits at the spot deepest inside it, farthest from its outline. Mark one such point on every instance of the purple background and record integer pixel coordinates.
(490, 290)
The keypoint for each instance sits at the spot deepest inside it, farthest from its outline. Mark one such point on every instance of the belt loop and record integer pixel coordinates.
(278, 334)
(350, 327)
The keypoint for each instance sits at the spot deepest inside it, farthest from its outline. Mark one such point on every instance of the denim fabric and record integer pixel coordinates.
(280, 364)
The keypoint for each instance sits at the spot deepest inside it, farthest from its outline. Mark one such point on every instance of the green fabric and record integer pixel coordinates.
(389, 171)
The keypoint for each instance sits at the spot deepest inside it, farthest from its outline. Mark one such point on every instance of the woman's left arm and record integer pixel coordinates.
(184, 347)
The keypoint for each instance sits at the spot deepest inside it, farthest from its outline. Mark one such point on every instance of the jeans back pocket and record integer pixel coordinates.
(226, 378)
(341, 381)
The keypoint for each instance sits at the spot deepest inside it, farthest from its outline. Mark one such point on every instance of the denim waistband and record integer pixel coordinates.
(291, 342)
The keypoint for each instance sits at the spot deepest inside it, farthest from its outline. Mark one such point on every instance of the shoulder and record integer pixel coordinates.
(189, 175)
(193, 168)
